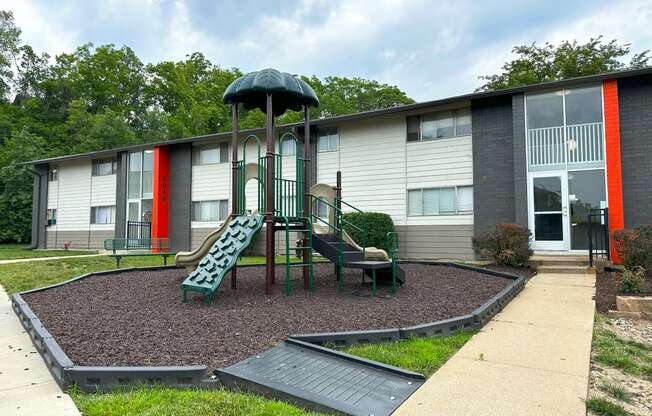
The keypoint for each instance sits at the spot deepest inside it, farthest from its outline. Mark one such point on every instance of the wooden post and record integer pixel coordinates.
(306, 191)
(269, 196)
(234, 176)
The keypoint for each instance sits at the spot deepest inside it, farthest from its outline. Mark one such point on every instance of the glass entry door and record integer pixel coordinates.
(548, 211)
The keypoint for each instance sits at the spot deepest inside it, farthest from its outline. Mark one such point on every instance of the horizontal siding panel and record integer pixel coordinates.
(435, 241)
(73, 208)
(211, 182)
(103, 190)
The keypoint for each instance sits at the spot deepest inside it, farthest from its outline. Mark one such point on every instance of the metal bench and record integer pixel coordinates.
(155, 246)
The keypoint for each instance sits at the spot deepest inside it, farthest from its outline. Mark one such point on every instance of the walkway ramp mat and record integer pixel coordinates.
(322, 379)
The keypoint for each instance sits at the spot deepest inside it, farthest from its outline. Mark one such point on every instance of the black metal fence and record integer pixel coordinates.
(598, 220)
(139, 234)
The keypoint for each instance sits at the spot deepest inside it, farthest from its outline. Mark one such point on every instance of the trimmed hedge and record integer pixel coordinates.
(507, 244)
(635, 246)
(378, 225)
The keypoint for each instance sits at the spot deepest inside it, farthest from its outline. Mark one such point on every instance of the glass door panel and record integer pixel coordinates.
(586, 190)
(548, 218)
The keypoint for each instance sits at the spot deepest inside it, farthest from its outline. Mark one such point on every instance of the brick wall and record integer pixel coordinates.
(635, 109)
(493, 162)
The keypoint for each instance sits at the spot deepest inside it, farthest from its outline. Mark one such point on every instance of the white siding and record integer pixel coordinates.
(372, 161)
(53, 194)
(103, 190)
(328, 163)
(74, 206)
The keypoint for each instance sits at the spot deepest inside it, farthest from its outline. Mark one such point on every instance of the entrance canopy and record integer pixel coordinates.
(289, 92)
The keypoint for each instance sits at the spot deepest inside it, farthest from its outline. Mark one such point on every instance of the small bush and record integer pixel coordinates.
(507, 244)
(378, 225)
(635, 246)
(633, 280)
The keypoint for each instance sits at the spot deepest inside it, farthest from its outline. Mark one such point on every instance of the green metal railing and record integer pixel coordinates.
(305, 262)
(392, 245)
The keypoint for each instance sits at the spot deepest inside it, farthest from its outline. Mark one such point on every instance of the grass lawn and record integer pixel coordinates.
(160, 401)
(20, 251)
(423, 355)
(629, 356)
(16, 277)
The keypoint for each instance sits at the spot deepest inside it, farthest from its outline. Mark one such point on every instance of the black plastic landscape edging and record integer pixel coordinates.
(475, 320)
(98, 378)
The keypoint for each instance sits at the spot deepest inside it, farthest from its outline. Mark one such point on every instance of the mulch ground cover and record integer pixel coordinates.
(136, 318)
(607, 287)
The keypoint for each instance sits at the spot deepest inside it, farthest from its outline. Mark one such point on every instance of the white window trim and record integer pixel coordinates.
(112, 217)
(219, 220)
(438, 214)
(455, 125)
(337, 145)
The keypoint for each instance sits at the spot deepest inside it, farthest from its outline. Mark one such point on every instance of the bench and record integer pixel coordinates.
(156, 246)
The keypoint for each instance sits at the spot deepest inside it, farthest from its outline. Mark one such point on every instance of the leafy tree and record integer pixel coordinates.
(535, 64)
(9, 47)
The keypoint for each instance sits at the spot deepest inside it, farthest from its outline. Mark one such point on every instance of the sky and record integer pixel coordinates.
(429, 49)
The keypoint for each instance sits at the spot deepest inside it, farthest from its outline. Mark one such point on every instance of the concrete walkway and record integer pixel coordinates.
(48, 258)
(26, 386)
(531, 359)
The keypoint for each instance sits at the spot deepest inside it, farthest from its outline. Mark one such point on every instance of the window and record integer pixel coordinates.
(53, 175)
(52, 216)
(211, 154)
(441, 125)
(328, 140)
(435, 201)
(545, 110)
(103, 167)
(135, 167)
(148, 168)
(210, 211)
(320, 209)
(583, 105)
(103, 214)
(288, 147)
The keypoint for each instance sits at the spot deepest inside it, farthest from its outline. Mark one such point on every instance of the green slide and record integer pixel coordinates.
(210, 271)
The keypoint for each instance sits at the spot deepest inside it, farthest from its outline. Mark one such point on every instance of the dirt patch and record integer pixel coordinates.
(607, 287)
(136, 318)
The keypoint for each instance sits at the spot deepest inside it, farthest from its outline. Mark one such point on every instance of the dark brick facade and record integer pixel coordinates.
(635, 99)
(180, 197)
(520, 160)
(493, 162)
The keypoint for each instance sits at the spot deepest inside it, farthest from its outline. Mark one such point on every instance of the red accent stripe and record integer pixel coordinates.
(161, 185)
(614, 167)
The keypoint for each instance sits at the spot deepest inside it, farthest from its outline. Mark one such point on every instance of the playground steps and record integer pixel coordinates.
(323, 380)
(209, 273)
(328, 246)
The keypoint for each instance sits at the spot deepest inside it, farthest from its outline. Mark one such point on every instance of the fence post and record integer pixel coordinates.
(606, 231)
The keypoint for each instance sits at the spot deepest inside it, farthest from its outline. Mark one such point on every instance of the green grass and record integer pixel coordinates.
(423, 355)
(17, 277)
(19, 251)
(160, 401)
(617, 392)
(603, 407)
(629, 356)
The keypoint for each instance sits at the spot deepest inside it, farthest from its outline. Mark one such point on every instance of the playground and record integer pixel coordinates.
(101, 321)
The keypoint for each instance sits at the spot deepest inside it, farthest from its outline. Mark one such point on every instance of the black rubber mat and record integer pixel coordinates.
(322, 379)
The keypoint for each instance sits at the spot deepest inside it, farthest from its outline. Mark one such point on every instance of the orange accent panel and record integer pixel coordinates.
(161, 191)
(614, 167)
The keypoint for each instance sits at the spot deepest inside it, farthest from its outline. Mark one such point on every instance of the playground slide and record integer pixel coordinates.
(192, 258)
(222, 256)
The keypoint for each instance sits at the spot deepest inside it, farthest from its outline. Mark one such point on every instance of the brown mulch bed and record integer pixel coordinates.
(136, 318)
(527, 272)
(607, 287)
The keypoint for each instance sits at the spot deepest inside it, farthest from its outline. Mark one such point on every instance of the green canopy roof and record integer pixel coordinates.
(288, 92)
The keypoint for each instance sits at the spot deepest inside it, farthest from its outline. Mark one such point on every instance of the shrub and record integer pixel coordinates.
(633, 280)
(378, 225)
(507, 244)
(635, 246)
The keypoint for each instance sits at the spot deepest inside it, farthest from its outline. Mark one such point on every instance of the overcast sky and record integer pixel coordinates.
(429, 49)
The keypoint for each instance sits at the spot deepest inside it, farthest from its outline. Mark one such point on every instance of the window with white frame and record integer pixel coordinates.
(440, 201)
(103, 214)
(328, 140)
(140, 186)
(52, 216)
(440, 125)
(210, 211)
(210, 154)
(53, 175)
(320, 209)
(103, 167)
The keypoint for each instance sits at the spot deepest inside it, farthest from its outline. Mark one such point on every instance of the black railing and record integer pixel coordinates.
(598, 220)
(139, 234)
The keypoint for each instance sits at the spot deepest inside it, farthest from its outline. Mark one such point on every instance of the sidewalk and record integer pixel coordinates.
(48, 258)
(26, 386)
(531, 359)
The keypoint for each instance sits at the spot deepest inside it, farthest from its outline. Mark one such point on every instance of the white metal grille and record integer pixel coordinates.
(580, 143)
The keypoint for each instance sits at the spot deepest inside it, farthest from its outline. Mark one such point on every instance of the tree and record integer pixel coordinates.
(9, 47)
(535, 64)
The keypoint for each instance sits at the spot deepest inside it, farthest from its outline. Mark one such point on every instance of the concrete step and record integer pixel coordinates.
(543, 260)
(562, 268)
